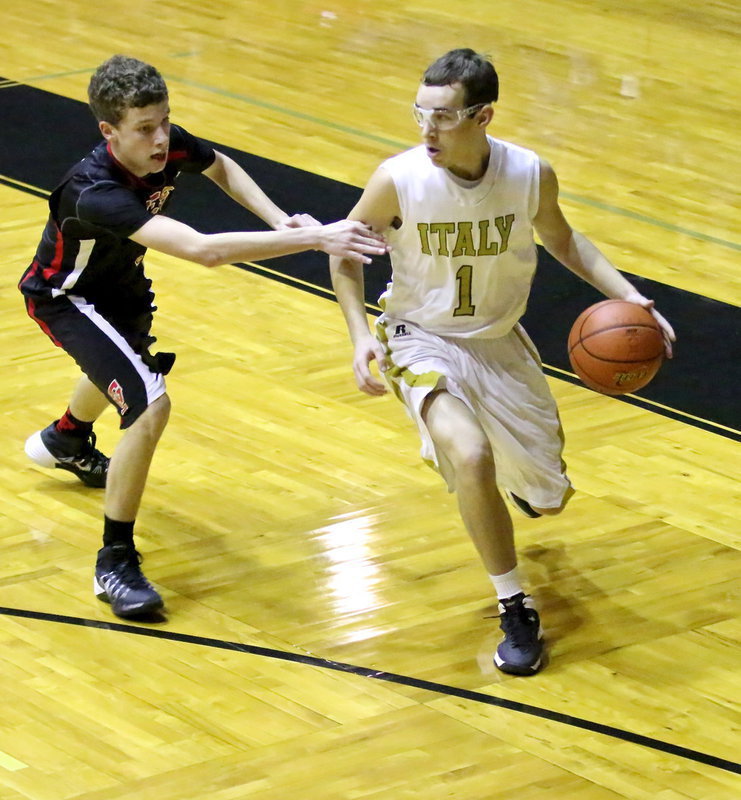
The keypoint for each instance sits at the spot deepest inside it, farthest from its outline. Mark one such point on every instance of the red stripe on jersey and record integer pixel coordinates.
(56, 262)
(173, 154)
(31, 307)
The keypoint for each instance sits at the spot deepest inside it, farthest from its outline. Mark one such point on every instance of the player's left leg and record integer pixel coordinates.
(69, 442)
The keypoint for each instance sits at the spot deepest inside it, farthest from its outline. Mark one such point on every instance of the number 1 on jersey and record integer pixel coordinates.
(464, 277)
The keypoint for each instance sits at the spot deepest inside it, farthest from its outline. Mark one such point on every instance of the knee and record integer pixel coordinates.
(471, 456)
(155, 418)
(161, 408)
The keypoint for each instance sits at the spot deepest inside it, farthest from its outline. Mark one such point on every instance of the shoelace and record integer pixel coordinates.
(126, 566)
(88, 454)
(518, 623)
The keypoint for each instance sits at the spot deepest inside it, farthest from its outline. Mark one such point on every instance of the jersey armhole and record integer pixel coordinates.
(534, 198)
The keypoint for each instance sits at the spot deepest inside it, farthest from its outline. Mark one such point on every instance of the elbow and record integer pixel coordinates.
(204, 252)
(209, 258)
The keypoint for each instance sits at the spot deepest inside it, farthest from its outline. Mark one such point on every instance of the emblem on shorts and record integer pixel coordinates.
(401, 330)
(115, 392)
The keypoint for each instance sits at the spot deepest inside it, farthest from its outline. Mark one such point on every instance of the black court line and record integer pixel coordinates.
(24, 187)
(554, 372)
(699, 385)
(390, 677)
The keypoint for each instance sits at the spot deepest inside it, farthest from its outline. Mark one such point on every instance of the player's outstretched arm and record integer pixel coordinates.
(346, 239)
(576, 252)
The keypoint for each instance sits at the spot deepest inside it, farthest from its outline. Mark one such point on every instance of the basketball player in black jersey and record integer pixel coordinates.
(87, 290)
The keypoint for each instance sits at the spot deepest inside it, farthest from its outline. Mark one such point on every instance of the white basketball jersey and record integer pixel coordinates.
(464, 257)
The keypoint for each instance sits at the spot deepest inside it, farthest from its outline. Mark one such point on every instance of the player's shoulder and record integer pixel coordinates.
(410, 165)
(93, 169)
(512, 149)
(411, 157)
(96, 164)
(188, 152)
(179, 134)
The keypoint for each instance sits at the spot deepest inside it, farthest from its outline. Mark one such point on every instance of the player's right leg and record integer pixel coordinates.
(428, 374)
(468, 465)
(463, 447)
(121, 375)
(118, 576)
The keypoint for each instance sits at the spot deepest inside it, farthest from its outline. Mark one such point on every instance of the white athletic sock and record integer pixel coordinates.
(507, 585)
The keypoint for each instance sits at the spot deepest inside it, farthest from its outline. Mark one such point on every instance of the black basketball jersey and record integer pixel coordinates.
(85, 249)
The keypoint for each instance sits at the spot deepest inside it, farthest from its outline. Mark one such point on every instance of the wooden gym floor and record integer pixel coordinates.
(329, 631)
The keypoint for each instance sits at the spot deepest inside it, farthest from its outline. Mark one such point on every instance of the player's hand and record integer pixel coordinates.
(351, 239)
(666, 328)
(298, 221)
(367, 350)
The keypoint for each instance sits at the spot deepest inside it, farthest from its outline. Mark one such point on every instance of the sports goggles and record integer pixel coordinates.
(443, 119)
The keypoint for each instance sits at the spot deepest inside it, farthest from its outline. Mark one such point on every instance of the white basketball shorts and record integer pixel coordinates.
(502, 382)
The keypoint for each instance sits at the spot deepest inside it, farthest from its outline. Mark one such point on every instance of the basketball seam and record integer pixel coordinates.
(619, 360)
(587, 381)
(582, 341)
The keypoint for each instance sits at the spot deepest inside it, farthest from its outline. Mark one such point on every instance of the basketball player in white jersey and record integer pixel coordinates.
(459, 213)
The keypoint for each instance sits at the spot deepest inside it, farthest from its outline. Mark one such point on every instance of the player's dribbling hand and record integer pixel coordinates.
(367, 350)
(351, 239)
(666, 328)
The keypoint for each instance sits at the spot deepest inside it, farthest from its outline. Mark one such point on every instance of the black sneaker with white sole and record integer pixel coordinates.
(76, 454)
(521, 651)
(120, 582)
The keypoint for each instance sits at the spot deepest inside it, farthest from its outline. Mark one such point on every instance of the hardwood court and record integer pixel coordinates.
(288, 512)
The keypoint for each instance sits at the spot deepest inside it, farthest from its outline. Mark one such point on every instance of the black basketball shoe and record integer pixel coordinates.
(120, 582)
(521, 651)
(76, 454)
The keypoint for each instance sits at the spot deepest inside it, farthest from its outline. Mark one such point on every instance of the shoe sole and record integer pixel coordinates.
(137, 611)
(511, 669)
(37, 451)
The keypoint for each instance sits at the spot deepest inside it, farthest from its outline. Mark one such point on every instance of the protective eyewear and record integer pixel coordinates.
(443, 119)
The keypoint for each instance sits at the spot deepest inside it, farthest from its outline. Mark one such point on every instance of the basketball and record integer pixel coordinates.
(616, 347)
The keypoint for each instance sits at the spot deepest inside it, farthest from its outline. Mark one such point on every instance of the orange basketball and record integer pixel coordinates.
(616, 347)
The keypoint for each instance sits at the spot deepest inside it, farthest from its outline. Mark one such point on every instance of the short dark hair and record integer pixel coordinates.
(471, 69)
(123, 82)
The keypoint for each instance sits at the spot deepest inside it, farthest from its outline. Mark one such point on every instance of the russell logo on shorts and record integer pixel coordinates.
(115, 392)
(401, 330)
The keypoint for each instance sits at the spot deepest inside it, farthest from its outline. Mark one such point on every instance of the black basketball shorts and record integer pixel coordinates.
(101, 352)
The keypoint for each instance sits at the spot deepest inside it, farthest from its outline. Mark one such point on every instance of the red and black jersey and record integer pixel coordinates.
(85, 249)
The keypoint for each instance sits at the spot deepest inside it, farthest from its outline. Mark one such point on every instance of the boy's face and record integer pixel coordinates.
(141, 139)
(451, 147)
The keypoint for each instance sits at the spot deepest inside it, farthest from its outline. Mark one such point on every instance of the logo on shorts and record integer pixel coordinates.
(401, 330)
(115, 392)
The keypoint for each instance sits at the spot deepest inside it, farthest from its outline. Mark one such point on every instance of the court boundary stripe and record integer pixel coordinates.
(24, 187)
(554, 372)
(288, 280)
(389, 677)
(300, 115)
